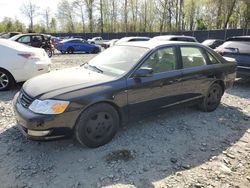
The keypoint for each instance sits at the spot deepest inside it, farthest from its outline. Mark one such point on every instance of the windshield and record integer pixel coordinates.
(118, 59)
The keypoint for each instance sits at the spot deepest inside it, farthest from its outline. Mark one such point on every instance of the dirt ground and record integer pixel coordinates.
(180, 147)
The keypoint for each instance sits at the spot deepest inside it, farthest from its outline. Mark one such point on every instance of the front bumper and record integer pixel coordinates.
(42, 126)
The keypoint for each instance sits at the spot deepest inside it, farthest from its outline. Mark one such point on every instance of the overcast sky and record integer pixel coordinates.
(11, 8)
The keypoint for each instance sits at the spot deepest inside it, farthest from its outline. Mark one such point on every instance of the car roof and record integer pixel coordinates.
(72, 39)
(173, 36)
(135, 37)
(213, 40)
(239, 38)
(154, 44)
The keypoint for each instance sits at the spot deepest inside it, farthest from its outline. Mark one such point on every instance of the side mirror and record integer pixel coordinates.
(143, 72)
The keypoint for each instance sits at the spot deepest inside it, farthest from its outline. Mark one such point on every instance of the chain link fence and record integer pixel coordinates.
(200, 35)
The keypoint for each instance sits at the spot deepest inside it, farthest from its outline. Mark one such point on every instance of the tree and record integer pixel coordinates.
(30, 10)
(90, 8)
(79, 5)
(46, 15)
(66, 15)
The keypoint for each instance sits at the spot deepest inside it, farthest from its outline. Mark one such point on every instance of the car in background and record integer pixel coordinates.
(55, 40)
(8, 35)
(77, 45)
(237, 48)
(98, 41)
(36, 40)
(131, 39)
(93, 100)
(174, 38)
(20, 62)
(213, 43)
(110, 43)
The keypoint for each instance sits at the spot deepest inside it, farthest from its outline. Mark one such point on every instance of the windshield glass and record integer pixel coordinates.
(118, 59)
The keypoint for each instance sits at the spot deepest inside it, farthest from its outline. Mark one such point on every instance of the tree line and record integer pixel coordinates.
(132, 16)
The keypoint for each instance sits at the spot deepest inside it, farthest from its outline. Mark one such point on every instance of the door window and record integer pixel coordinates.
(212, 59)
(162, 60)
(24, 39)
(192, 57)
(37, 38)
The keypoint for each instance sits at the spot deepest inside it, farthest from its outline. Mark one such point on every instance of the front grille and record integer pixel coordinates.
(25, 99)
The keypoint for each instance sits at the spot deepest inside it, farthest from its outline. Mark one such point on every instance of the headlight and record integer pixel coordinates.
(48, 106)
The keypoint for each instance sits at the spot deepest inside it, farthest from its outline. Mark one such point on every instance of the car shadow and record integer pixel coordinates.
(241, 88)
(143, 152)
(9, 95)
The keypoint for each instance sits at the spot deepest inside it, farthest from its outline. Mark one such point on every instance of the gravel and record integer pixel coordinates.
(179, 147)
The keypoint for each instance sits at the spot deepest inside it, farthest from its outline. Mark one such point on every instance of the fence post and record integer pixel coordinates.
(225, 34)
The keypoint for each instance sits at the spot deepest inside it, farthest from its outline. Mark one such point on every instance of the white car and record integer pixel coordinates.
(20, 62)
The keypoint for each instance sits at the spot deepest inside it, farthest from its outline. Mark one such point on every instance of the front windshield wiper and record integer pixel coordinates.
(86, 65)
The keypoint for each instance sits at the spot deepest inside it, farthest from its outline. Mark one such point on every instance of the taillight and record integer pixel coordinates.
(27, 56)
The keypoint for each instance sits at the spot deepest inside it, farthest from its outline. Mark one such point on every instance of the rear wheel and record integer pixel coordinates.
(212, 99)
(49, 52)
(97, 125)
(70, 50)
(6, 80)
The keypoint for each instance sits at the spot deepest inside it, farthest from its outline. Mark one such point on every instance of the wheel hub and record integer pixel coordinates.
(99, 125)
(3, 80)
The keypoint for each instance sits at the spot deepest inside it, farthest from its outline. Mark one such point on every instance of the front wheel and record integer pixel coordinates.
(96, 50)
(6, 80)
(212, 99)
(97, 125)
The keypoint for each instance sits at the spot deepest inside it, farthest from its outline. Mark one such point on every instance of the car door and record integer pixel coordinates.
(197, 74)
(160, 89)
(85, 46)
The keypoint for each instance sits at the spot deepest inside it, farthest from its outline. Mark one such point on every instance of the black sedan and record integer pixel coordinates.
(91, 101)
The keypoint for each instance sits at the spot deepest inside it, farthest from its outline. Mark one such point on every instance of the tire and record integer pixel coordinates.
(49, 52)
(96, 50)
(70, 50)
(63, 52)
(97, 125)
(212, 99)
(6, 80)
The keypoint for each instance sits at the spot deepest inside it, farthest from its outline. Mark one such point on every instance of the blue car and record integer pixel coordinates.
(77, 45)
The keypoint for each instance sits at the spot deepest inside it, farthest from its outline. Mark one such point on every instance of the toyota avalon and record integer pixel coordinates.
(91, 101)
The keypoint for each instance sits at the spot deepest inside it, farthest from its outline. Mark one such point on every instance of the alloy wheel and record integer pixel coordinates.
(4, 80)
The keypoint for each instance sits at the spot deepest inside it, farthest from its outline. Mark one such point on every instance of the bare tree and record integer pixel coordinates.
(126, 15)
(90, 7)
(46, 14)
(230, 6)
(30, 10)
(79, 5)
(65, 14)
(101, 13)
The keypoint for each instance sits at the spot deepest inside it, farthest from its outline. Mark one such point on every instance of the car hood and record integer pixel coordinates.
(58, 82)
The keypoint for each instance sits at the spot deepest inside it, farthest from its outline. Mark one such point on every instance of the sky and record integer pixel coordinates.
(11, 8)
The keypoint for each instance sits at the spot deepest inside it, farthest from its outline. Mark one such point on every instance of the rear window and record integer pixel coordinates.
(184, 39)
